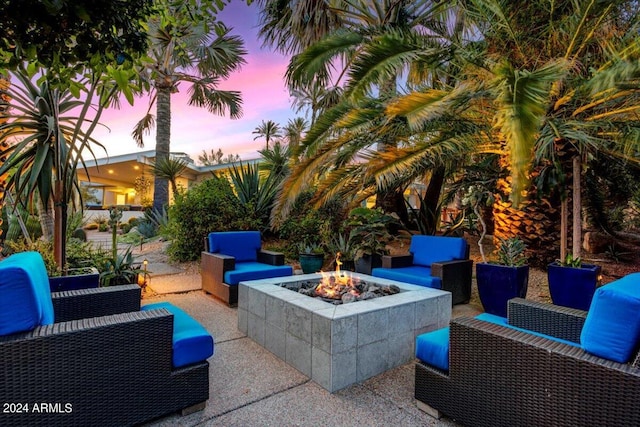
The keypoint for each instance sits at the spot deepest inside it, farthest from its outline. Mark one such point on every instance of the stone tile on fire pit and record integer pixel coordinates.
(338, 345)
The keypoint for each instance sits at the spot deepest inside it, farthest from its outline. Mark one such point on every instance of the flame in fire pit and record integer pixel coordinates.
(334, 286)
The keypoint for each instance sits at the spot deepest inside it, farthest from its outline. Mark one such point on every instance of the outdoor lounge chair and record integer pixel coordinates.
(231, 257)
(545, 366)
(93, 356)
(434, 261)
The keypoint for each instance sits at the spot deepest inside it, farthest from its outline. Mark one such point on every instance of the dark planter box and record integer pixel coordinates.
(311, 263)
(573, 286)
(497, 284)
(367, 263)
(75, 282)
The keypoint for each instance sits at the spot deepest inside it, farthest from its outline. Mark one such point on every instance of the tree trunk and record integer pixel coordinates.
(60, 227)
(163, 145)
(45, 214)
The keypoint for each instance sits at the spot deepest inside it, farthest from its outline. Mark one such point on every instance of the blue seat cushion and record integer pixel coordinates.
(254, 271)
(429, 249)
(191, 342)
(416, 275)
(433, 347)
(25, 296)
(242, 245)
(612, 327)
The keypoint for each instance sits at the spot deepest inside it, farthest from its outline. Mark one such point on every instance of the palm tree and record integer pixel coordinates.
(316, 98)
(268, 130)
(47, 129)
(275, 161)
(184, 49)
(554, 77)
(293, 132)
(170, 169)
(365, 45)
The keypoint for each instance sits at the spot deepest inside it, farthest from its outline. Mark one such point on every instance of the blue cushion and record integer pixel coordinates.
(191, 342)
(416, 275)
(433, 347)
(429, 249)
(25, 297)
(254, 271)
(242, 245)
(612, 327)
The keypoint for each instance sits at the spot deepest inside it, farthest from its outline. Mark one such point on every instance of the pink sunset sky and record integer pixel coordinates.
(264, 97)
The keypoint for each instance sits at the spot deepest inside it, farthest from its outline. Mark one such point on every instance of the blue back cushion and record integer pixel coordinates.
(416, 275)
(25, 296)
(429, 249)
(191, 342)
(612, 327)
(242, 245)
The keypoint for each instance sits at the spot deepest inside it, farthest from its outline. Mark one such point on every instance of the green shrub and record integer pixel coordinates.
(103, 227)
(209, 206)
(147, 229)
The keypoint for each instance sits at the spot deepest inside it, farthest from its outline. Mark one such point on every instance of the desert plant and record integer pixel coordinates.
(511, 252)
(119, 270)
(570, 261)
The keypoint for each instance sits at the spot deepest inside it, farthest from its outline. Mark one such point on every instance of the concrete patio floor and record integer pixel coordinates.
(249, 386)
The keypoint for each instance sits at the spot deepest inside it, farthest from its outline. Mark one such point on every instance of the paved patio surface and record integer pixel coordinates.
(249, 386)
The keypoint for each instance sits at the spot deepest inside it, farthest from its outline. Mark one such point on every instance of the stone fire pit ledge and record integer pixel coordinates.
(339, 345)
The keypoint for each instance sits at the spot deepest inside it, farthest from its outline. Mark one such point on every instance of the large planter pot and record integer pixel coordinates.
(311, 263)
(75, 282)
(349, 265)
(573, 286)
(366, 263)
(497, 284)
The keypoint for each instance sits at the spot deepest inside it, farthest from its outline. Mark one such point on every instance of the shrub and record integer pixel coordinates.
(209, 206)
(103, 227)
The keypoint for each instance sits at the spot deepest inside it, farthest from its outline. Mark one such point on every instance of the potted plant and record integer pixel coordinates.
(340, 247)
(311, 257)
(503, 279)
(369, 237)
(572, 283)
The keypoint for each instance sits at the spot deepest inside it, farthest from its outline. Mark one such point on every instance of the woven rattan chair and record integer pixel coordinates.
(103, 362)
(439, 262)
(234, 256)
(501, 376)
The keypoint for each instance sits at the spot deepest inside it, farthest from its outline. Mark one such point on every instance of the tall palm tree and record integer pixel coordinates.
(268, 130)
(293, 132)
(200, 53)
(316, 98)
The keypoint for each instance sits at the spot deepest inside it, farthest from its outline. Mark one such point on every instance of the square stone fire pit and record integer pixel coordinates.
(338, 345)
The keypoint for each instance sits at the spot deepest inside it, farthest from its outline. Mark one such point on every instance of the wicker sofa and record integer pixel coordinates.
(234, 256)
(504, 376)
(103, 361)
(438, 262)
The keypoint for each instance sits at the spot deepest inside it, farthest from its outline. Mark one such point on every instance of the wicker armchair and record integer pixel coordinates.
(500, 376)
(115, 369)
(434, 261)
(233, 256)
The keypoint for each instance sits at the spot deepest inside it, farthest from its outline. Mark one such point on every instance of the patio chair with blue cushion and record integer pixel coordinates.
(93, 356)
(438, 262)
(231, 257)
(545, 365)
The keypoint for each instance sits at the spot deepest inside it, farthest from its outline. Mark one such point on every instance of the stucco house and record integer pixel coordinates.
(127, 179)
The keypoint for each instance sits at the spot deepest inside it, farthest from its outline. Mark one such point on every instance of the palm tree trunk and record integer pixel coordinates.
(163, 144)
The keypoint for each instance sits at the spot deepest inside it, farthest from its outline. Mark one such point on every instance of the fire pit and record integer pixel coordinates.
(339, 345)
(341, 288)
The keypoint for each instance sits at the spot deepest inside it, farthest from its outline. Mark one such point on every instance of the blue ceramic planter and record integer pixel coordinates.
(573, 286)
(72, 283)
(311, 263)
(497, 284)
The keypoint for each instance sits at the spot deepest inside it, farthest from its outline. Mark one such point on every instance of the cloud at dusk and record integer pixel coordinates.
(264, 96)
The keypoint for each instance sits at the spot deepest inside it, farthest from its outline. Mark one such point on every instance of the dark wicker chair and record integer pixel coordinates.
(499, 376)
(454, 275)
(104, 362)
(214, 265)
